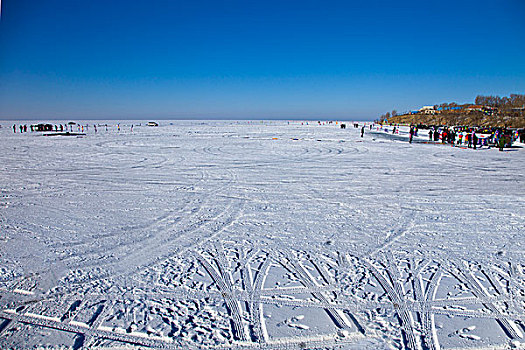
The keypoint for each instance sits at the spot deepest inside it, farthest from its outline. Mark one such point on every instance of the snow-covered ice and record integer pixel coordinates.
(268, 235)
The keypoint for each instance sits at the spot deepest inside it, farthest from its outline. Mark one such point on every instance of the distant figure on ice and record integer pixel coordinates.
(474, 139)
(362, 130)
(14, 128)
(430, 135)
(411, 134)
(501, 143)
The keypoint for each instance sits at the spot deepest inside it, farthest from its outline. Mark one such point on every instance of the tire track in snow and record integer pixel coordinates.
(398, 302)
(508, 326)
(288, 262)
(226, 288)
(255, 306)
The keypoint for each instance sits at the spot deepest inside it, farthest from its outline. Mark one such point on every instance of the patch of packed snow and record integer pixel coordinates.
(258, 235)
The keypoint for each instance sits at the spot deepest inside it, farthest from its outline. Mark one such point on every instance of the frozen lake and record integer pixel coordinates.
(258, 235)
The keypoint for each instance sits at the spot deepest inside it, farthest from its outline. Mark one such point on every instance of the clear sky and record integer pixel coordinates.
(254, 59)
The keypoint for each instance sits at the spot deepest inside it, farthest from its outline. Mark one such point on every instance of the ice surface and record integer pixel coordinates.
(258, 235)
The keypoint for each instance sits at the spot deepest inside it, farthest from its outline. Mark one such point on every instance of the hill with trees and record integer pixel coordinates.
(485, 111)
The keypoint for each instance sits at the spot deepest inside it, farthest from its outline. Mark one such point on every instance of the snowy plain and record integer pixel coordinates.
(258, 235)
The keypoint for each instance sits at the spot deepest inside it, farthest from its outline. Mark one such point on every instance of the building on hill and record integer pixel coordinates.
(487, 110)
(427, 110)
(473, 108)
(449, 108)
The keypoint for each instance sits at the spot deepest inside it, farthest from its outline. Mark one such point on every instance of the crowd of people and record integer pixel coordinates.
(475, 137)
(42, 127)
(70, 127)
(464, 136)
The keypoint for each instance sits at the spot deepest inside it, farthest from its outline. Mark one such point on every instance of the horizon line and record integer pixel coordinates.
(189, 119)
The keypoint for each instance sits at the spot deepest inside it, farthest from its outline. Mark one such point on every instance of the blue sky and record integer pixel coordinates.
(254, 59)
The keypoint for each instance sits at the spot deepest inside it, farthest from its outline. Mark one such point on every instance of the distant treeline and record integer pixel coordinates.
(513, 101)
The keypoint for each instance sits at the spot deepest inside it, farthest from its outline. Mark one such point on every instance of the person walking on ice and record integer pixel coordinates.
(362, 130)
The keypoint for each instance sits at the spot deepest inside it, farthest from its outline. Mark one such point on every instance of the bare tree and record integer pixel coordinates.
(480, 100)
